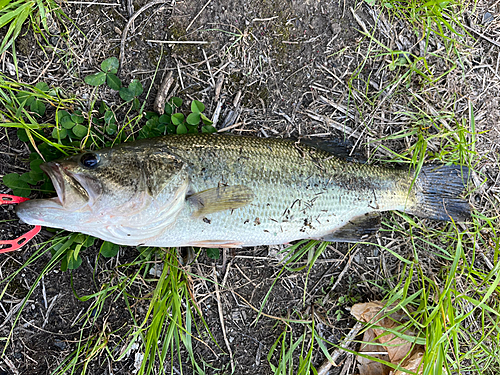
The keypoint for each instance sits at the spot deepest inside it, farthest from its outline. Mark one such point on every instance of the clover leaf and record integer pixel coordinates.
(110, 65)
(96, 79)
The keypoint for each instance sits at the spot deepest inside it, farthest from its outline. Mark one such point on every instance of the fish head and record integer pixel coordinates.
(98, 191)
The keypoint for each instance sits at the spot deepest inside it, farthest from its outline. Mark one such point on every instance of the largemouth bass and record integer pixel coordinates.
(233, 191)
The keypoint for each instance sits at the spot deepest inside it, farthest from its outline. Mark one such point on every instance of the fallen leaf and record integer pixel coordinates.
(367, 366)
(395, 349)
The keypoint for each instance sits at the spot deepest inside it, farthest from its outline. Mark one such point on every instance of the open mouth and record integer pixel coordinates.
(70, 192)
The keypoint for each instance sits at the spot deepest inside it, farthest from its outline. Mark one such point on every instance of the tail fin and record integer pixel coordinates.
(438, 189)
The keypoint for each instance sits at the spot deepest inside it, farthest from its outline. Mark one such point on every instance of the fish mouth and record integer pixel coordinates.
(71, 194)
(75, 192)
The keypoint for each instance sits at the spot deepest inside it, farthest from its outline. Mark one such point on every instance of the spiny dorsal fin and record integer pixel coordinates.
(221, 198)
(336, 146)
(356, 230)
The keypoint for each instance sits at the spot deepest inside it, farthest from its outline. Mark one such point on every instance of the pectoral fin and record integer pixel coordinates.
(221, 198)
(356, 230)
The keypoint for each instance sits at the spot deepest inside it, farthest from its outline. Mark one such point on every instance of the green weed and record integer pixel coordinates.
(167, 326)
(14, 14)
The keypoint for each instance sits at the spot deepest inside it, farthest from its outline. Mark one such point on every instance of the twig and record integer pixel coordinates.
(195, 17)
(482, 35)
(92, 3)
(359, 21)
(51, 306)
(224, 262)
(264, 19)
(180, 75)
(339, 278)
(334, 124)
(129, 24)
(218, 86)
(177, 41)
(221, 317)
(236, 100)
(325, 367)
(209, 68)
(161, 97)
(130, 10)
(44, 294)
(11, 365)
(215, 117)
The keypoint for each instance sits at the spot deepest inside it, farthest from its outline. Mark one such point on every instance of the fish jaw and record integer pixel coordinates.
(72, 192)
(62, 211)
(45, 212)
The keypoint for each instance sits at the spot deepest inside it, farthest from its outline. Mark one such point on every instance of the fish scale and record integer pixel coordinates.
(214, 190)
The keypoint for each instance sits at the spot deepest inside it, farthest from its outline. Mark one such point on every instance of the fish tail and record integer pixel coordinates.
(438, 189)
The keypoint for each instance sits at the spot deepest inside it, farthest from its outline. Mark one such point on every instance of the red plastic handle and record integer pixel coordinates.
(11, 199)
(19, 242)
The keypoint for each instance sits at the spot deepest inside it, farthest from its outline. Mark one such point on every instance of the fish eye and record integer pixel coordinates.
(89, 160)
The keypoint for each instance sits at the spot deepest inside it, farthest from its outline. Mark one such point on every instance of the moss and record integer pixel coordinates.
(23, 46)
(177, 32)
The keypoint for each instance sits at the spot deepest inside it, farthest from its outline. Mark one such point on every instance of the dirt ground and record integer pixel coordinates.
(282, 69)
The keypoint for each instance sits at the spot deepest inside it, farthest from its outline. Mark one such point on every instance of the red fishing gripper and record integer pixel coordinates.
(19, 242)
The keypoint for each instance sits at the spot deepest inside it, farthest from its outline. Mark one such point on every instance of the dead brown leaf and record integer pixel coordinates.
(393, 349)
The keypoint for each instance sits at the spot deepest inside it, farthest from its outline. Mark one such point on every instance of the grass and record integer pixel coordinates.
(23, 105)
(39, 14)
(164, 334)
(456, 310)
(452, 301)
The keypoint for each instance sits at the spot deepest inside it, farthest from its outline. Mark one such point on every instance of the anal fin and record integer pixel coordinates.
(358, 229)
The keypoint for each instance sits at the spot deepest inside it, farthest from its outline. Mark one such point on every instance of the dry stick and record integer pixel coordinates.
(130, 10)
(325, 367)
(195, 17)
(334, 124)
(177, 41)
(339, 278)
(51, 306)
(11, 365)
(221, 317)
(92, 3)
(209, 68)
(264, 19)
(180, 75)
(161, 97)
(218, 87)
(215, 117)
(129, 24)
(482, 35)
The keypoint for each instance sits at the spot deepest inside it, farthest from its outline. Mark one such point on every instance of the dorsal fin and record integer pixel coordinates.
(336, 146)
